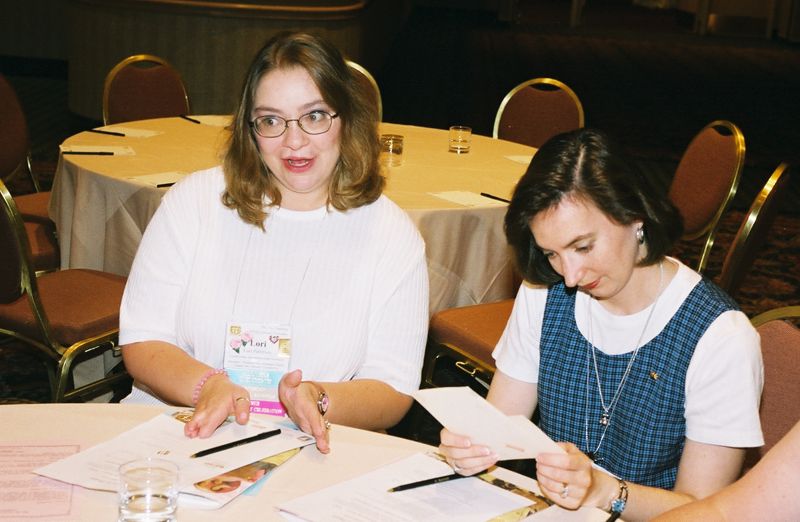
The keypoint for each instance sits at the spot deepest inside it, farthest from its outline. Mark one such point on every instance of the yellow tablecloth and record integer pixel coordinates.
(101, 204)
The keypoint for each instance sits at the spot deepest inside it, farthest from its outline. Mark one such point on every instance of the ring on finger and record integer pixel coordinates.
(237, 399)
(327, 424)
(564, 492)
(456, 467)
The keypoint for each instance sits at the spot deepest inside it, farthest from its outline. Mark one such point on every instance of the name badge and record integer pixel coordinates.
(256, 357)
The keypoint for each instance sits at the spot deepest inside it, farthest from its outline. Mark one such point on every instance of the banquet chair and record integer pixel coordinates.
(66, 316)
(536, 110)
(754, 230)
(705, 182)
(368, 83)
(15, 159)
(141, 87)
(780, 348)
(460, 345)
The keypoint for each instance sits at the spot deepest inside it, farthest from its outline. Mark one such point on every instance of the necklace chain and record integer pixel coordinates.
(608, 410)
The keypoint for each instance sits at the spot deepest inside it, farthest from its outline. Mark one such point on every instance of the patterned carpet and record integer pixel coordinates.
(640, 74)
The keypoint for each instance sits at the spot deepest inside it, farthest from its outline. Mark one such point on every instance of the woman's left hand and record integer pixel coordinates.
(300, 401)
(565, 478)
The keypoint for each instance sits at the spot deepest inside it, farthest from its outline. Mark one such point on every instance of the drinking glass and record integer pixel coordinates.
(148, 490)
(460, 138)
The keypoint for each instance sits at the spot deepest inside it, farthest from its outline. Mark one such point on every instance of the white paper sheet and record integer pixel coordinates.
(463, 411)
(162, 437)
(366, 498)
(467, 199)
(115, 150)
(525, 160)
(26, 496)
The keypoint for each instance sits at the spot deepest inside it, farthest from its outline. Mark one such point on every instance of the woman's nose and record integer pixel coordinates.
(294, 137)
(572, 271)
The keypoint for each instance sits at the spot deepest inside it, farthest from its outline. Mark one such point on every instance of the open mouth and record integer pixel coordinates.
(298, 163)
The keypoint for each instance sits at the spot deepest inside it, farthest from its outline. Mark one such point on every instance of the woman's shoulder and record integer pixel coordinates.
(200, 186)
(210, 180)
(386, 213)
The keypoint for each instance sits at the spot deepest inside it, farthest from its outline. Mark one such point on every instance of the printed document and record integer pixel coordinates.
(162, 437)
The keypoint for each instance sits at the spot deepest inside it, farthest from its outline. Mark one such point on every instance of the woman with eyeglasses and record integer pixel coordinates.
(283, 277)
(636, 363)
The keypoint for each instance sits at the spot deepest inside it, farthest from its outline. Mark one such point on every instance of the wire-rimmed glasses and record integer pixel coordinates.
(315, 122)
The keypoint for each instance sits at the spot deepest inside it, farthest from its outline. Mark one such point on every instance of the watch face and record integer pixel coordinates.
(322, 403)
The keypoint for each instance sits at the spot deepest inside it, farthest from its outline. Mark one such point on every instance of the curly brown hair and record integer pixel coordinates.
(250, 187)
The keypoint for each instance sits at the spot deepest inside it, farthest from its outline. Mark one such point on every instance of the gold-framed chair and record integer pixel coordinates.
(15, 160)
(706, 181)
(368, 83)
(536, 110)
(780, 349)
(143, 86)
(754, 230)
(67, 315)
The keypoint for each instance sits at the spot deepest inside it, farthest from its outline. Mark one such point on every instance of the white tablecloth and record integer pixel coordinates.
(353, 453)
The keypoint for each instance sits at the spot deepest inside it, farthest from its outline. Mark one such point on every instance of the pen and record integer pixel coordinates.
(491, 196)
(427, 482)
(229, 445)
(162, 185)
(187, 118)
(89, 153)
(110, 133)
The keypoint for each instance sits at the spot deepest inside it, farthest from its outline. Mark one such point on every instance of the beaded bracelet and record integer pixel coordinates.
(206, 376)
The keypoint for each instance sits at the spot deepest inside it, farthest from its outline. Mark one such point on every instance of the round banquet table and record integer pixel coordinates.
(101, 204)
(353, 452)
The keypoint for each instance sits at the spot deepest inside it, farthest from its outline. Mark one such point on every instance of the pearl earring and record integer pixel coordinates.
(640, 236)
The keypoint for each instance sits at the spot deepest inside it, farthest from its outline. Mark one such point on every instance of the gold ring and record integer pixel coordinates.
(241, 399)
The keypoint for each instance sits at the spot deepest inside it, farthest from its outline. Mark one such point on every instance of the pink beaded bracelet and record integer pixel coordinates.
(206, 376)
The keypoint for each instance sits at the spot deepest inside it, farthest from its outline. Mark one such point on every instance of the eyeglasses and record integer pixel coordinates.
(315, 122)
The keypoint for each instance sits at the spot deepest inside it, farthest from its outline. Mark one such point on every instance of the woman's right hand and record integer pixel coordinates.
(463, 456)
(219, 398)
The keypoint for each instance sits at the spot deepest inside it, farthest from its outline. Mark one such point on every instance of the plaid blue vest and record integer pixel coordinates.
(645, 437)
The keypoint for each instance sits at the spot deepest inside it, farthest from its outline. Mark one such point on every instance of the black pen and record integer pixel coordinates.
(427, 482)
(162, 185)
(229, 445)
(185, 117)
(491, 196)
(101, 131)
(89, 153)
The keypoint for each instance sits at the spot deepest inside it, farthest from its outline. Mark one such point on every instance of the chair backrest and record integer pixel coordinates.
(17, 273)
(706, 181)
(780, 348)
(368, 85)
(536, 110)
(754, 230)
(142, 87)
(13, 241)
(14, 139)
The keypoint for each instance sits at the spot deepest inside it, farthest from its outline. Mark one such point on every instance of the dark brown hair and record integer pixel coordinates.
(586, 164)
(356, 178)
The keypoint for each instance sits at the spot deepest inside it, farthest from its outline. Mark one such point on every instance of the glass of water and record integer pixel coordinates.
(148, 490)
(459, 139)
